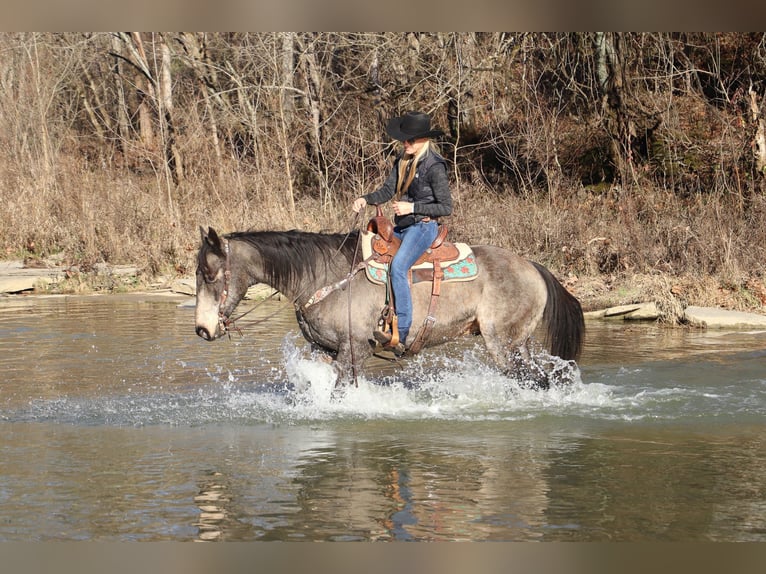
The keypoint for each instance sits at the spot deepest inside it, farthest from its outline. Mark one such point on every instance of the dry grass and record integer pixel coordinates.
(608, 248)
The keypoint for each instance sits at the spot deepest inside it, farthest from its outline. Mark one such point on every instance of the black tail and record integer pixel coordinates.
(565, 324)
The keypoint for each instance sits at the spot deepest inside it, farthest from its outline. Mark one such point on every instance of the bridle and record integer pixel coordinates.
(225, 322)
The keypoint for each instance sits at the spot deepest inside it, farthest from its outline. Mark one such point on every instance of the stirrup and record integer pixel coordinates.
(399, 350)
(382, 337)
(390, 352)
(387, 338)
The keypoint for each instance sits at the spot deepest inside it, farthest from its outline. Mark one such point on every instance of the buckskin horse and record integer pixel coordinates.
(338, 308)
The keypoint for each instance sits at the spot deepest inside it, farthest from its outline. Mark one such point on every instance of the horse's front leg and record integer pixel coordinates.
(349, 363)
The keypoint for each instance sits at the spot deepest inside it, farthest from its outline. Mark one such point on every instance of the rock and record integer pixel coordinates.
(185, 286)
(594, 314)
(15, 277)
(10, 266)
(621, 310)
(633, 312)
(714, 318)
(106, 269)
(645, 312)
(18, 284)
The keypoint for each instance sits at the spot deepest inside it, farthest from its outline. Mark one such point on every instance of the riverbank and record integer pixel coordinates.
(665, 299)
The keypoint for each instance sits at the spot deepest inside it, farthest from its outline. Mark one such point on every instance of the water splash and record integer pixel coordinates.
(464, 387)
(460, 386)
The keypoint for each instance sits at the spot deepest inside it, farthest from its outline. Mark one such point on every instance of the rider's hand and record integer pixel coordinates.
(403, 207)
(359, 204)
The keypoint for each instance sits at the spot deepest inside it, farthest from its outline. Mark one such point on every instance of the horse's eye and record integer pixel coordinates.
(207, 275)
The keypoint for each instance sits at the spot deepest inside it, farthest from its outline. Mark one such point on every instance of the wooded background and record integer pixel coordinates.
(594, 153)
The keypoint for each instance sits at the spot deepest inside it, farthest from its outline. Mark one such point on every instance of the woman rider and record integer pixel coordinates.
(419, 187)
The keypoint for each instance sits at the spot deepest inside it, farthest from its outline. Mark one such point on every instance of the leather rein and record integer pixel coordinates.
(226, 323)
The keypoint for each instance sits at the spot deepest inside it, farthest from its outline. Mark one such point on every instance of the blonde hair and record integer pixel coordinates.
(408, 166)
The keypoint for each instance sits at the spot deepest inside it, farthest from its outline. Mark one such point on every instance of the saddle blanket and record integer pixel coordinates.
(461, 268)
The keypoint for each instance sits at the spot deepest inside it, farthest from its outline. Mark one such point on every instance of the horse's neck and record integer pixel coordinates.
(297, 286)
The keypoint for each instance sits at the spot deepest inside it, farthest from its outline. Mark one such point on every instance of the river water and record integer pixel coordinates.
(119, 424)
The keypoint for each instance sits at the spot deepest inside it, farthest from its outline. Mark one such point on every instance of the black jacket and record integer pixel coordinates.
(429, 190)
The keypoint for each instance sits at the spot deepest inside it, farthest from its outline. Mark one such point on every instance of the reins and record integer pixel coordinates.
(227, 323)
(351, 274)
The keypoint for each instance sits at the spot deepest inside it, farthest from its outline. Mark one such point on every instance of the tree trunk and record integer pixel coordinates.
(286, 114)
(759, 142)
(249, 118)
(313, 98)
(195, 47)
(465, 46)
(610, 72)
(155, 103)
(86, 92)
(145, 86)
(123, 124)
(173, 157)
(287, 69)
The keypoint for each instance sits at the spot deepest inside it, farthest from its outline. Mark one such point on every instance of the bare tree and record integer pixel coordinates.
(197, 56)
(155, 108)
(757, 116)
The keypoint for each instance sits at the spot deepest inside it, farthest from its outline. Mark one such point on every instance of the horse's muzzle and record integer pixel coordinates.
(204, 333)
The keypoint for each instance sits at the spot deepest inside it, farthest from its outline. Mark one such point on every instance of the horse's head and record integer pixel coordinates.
(218, 289)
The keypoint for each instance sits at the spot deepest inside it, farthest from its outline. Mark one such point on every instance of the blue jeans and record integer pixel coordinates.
(415, 240)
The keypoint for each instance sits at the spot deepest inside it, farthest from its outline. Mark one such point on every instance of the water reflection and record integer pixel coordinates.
(389, 482)
(393, 488)
(212, 499)
(427, 488)
(652, 485)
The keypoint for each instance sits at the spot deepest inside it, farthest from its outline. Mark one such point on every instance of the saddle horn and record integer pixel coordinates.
(381, 225)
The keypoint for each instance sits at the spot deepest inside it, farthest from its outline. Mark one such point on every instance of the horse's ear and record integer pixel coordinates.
(211, 238)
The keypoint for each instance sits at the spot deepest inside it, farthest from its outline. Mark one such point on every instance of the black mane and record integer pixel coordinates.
(290, 256)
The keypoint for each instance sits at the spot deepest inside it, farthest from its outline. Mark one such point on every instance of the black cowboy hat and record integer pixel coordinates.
(411, 126)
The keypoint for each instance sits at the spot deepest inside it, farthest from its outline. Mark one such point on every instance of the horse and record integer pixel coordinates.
(337, 309)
